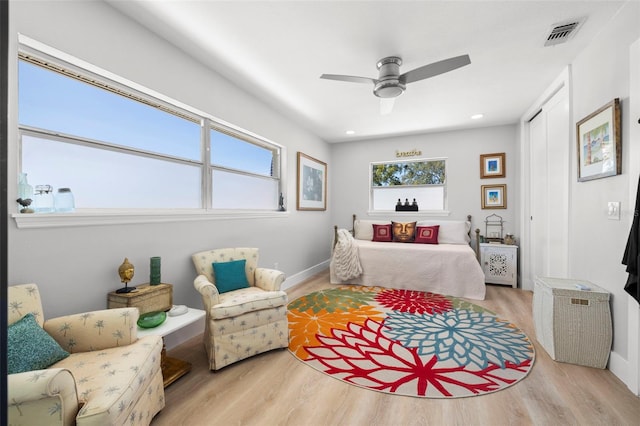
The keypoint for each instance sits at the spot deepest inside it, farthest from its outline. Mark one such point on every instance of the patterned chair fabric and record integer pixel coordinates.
(110, 378)
(244, 322)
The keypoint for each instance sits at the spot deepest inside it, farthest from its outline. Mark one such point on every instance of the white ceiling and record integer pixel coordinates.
(277, 50)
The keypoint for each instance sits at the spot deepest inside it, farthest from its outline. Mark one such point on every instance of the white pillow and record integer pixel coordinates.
(451, 231)
(363, 229)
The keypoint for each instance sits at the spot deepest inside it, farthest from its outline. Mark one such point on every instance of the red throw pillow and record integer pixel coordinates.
(382, 233)
(427, 234)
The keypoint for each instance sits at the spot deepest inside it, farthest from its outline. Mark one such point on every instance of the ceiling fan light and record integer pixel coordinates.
(388, 89)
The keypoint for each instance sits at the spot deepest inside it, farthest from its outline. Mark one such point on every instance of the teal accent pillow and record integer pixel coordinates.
(30, 348)
(230, 275)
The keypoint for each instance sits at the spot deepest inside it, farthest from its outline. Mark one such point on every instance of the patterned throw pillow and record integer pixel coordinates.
(403, 232)
(230, 275)
(427, 234)
(382, 233)
(30, 348)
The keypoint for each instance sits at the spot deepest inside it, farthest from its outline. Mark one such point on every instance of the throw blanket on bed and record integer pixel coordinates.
(345, 261)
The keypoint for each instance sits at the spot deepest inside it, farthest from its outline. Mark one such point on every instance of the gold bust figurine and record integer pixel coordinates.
(125, 271)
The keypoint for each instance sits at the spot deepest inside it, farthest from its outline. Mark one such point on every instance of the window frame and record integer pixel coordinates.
(277, 169)
(119, 85)
(387, 212)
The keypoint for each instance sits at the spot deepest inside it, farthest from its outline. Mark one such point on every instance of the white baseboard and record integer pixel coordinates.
(296, 279)
(620, 367)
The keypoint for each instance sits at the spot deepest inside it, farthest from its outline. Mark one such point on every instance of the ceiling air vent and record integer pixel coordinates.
(561, 33)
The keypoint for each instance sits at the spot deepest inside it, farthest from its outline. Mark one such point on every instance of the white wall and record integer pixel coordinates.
(600, 73)
(76, 267)
(351, 161)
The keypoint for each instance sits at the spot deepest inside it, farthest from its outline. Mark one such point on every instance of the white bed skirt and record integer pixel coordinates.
(448, 269)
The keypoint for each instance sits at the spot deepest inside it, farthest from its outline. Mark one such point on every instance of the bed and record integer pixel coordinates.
(447, 265)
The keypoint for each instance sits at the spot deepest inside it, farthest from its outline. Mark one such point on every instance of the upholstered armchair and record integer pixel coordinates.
(84, 369)
(244, 319)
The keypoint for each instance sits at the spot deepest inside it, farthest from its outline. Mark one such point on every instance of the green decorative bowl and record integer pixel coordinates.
(151, 319)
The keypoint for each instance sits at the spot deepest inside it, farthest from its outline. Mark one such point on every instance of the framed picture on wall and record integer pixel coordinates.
(492, 165)
(494, 196)
(600, 143)
(312, 183)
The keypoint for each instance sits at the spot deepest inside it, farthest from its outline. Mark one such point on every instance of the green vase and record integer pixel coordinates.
(154, 278)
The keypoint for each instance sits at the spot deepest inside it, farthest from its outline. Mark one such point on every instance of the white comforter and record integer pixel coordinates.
(449, 269)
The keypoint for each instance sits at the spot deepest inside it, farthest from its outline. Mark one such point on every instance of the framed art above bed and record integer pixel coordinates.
(494, 196)
(492, 165)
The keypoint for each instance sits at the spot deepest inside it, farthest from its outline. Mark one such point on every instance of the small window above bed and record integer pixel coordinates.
(422, 180)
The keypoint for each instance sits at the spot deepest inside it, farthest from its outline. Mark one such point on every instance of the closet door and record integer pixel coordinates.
(550, 144)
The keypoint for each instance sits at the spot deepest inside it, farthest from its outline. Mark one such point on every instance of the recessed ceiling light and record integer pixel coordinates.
(477, 116)
(350, 132)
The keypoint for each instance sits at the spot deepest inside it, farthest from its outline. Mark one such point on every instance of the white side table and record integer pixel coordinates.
(499, 263)
(173, 368)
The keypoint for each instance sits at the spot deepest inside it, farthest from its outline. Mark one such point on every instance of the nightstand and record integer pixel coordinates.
(499, 263)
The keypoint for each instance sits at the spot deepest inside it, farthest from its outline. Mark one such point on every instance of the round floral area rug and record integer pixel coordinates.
(407, 342)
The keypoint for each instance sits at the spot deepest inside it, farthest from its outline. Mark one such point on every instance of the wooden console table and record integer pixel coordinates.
(173, 368)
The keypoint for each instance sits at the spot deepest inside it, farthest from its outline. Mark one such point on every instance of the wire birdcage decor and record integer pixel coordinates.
(493, 228)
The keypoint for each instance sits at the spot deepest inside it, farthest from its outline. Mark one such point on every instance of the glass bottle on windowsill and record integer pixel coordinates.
(63, 201)
(43, 199)
(25, 194)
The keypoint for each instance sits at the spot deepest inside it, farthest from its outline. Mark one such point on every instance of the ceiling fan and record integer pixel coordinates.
(390, 83)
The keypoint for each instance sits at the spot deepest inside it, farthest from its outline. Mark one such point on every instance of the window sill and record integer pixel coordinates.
(91, 217)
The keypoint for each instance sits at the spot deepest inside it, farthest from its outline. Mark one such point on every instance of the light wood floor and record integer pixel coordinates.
(276, 389)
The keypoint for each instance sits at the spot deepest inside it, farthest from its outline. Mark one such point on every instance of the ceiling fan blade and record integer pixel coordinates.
(349, 78)
(435, 68)
(386, 105)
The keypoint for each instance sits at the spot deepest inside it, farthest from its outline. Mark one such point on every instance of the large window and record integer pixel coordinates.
(117, 147)
(423, 180)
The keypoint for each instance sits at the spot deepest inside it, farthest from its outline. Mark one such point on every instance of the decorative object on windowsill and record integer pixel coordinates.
(509, 239)
(43, 199)
(154, 268)
(493, 229)
(406, 207)
(63, 201)
(25, 203)
(126, 271)
(25, 194)
(281, 203)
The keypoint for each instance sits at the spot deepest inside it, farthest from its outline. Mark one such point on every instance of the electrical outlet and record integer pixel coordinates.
(613, 210)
